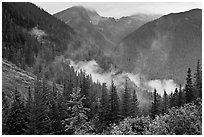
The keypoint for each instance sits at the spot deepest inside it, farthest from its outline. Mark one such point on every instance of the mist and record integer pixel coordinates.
(119, 77)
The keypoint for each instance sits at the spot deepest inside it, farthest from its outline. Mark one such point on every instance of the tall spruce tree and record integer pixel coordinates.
(39, 121)
(5, 113)
(198, 80)
(165, 102)
(16, 124)
(104, 109)
(134, 105)
(29, 114)
(78, 122)
(126, 101)
(189, 87)
(155, 105)
(114, 105)
(175, 96)
(181, 98)
(54, 114)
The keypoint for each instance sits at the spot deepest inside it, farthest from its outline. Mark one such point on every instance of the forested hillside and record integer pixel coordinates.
(164, 48)
(44, 92)
(85, 107)
(32, 38)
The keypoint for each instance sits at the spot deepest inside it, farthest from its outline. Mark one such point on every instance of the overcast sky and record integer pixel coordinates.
(117, 10)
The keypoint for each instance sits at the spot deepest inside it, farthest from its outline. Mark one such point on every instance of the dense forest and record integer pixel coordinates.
(86, 107)
(35, 41)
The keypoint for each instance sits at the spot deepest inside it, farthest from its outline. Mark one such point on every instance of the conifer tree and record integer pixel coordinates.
(175, 96)
(54, 114)
(104, 108)
(171, 100)
(114, 104)
(189, 87)
(165, 102)
(5, 113)
(16, 124)
(78, 122)
(198, 80)
(126, 101)
(181, 98)
(134, 105)
(155, 105)
(29, 114)
(39, 123)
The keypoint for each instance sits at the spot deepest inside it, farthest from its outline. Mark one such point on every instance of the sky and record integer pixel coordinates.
(120, 9)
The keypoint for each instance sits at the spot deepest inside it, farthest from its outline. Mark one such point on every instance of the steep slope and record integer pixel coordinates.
(32, 38)
(164, 48)
(28, 30)
(15, 77)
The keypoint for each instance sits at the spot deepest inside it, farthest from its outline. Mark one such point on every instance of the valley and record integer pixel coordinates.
(76, 72)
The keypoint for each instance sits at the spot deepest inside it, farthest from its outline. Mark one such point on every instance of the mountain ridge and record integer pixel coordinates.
(165, 37)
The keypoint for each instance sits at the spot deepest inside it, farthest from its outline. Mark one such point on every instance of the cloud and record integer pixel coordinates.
(161, 85)
(119, 77)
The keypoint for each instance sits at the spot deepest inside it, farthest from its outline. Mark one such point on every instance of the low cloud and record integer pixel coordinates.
(119, 77)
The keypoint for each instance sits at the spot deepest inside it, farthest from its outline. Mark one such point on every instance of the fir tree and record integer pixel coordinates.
(104, 108)
(54, 114)
(134, 105)
(39, 117)
(114, 105)
(5, 113)
(155, 105)
(165, 102)
(78, 122)
(16, 124)
(175, 96)
(126, 101)
(189, 87)
(198, 80)
(181, 98)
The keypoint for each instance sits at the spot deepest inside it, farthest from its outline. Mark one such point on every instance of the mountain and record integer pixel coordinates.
(104, 32)
(32, 38)
(164, 48)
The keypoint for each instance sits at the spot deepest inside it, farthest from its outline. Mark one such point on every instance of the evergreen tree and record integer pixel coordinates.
(5, 113)
(155, 105)
(29, 113)
(16, 124)
(165, 102)
(171, 100)
(78, 122)
(126, 101)
(39, 117)
(104, 109)
(175, 97)
(181, 98)
(54, 114)
(114, 105)
(198, 80)
(189, 87)
(134, 105)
